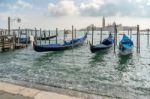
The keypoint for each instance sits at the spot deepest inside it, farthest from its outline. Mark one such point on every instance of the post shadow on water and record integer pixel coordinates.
(47, 57)
(98, 57)
(123, 61)
(49, 54)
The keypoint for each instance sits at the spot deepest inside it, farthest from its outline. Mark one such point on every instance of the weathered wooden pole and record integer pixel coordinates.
(115, 38)
(92, 33)
(147, 37)
(49, 36)
(8, 25)
(18, 35)
(40, 35)
(138, 45)
(101, 30)
(64, 36)
(75, 33)
(3, 41)
(131, 33)
(14, 40)
(0, 33)
(35, 37)
(72, 35)
(44, 35)
(26, 32)
(56, 34)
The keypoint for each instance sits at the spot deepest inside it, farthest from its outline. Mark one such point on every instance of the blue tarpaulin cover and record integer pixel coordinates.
(125, 43)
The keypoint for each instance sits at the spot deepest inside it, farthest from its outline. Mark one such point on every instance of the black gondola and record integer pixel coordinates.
(59, 47)
(105, 44)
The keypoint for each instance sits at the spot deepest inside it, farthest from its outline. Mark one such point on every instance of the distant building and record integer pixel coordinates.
(110, 27)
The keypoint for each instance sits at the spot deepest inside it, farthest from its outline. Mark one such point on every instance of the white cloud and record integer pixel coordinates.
(62, 8)
(23, 4)
(18, 5)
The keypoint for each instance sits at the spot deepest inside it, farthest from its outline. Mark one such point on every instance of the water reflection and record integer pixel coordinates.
(124, 61)
(98, 57)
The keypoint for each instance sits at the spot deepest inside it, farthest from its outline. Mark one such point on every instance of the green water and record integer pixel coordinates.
(104, 73)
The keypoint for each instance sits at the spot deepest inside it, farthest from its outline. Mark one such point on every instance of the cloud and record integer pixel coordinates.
(19, 4)
(133, 8)
(23, 4)
(62, 8)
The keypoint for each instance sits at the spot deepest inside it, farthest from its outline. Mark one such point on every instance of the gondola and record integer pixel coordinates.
(46, 38)
(59, 47)
(125, 45)
(105, 44)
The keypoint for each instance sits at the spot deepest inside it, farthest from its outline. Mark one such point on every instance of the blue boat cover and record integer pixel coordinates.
(125, 43)
(24, 40)
(108, 40)
(67, 43)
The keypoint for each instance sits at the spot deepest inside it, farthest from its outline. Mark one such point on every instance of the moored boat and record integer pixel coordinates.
(59, 47)
(125, 45)
(104, 45)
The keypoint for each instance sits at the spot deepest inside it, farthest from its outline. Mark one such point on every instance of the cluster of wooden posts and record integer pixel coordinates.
(129, 33)
(10, 40)
(73, 32)
(8, 37)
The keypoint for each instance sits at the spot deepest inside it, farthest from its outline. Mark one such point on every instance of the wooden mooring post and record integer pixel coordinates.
(14, 40)
(8, 25)
(2, 41)
(26, 30)
(75, 33)
(138, 39)
(147, 37)
(72, 35)
(44, 36)
(40, 35)
(131, 33)
(49, 36)
(56, 34)
(18, 35)
(115, 37)
(64, 36)
(92, 34)
(35, 37)
(101, 31)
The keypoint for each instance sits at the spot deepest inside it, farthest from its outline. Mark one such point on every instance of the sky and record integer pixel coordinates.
(51, 14)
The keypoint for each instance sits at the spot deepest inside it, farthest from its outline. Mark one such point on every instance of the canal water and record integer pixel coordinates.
(104, 73)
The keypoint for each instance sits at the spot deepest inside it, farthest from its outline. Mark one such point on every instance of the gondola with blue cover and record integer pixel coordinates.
(105, 44)
(125, 45)
(59, 47)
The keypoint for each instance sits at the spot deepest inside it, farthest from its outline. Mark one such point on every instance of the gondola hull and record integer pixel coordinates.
(59, 47)
(99, 47)
(126, 51)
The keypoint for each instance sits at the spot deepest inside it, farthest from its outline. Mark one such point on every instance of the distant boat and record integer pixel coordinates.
(60, 47)
(125, 45)
(67, 32)
(46, 38)
(105, 44)
(23, 40)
